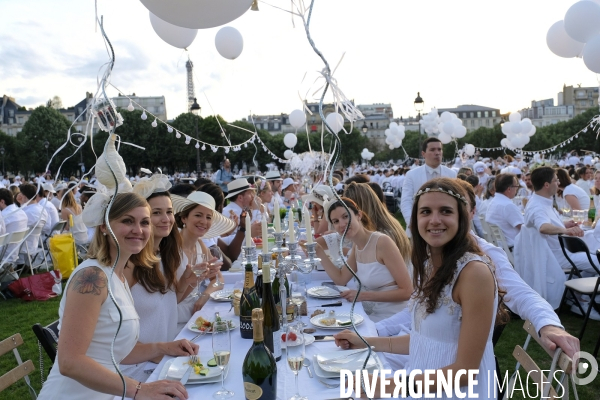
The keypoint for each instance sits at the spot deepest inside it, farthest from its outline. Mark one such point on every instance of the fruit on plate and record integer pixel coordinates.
(293, 337)
(212, 362)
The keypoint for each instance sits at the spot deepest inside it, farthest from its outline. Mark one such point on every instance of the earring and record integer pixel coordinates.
(104, 233)
(184, 226)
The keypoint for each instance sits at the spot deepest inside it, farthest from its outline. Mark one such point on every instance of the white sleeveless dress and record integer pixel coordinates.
(60, 387)
(158, 323)
(185, 309)
(79, 230)
(376, 277)
(434, 337)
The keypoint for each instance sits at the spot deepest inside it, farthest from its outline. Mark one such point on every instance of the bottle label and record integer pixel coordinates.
(277, 344)
(252, 391)
(246, 323)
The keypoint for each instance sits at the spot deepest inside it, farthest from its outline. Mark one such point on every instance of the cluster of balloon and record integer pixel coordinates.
(290, 140)
(578, 34)
(430, 122)
(518, 132)
(450, 127)
(177, 22)
(394, 135)
(366, 154)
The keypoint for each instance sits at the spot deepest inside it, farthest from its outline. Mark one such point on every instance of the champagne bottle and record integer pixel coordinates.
(259, 370)
(272, 328)
(258, 284)
(248, 302)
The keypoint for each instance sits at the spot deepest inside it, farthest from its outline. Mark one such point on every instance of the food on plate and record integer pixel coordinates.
(328, 321)
(309, 330)
(345, 323)
(204, 325)
(198, 367)
(317, 312)
(212, 362)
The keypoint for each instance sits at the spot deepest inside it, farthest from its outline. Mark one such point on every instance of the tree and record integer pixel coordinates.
(9, 158)
(55, 103)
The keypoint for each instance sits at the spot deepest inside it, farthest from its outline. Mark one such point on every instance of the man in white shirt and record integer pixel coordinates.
(53, 217)
(539, 259)
(242, 195)
(15, 220)
(415, 178)
(275, 179)
(502, 211)
(36, 215)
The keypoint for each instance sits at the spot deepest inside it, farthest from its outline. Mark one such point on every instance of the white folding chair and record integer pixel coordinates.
(16, 238)
(36, 232)
(500, 241)
(59, 227)
(486, 229)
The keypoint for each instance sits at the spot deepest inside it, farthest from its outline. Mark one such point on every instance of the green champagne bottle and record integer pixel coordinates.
(248, 302)
(271, 326)
(259, 370)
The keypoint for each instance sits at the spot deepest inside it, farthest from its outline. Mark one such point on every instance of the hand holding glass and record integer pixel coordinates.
(221, 342)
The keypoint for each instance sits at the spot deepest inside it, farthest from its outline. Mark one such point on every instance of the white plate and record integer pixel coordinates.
(324, 292)
(586, 228)
(354, 364)
(176, 367)
(308, 339)
(340, 317)
(192, 327)
(222, 295)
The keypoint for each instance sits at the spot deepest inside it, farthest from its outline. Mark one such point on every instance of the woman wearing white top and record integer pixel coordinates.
(70, 207)
(573, 195)
(89, 319)
(596, 190)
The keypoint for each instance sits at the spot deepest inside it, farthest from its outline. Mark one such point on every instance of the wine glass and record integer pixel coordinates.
(199, 267)
(295, 349)
(298, 291)
(221, 343)
(215, 251)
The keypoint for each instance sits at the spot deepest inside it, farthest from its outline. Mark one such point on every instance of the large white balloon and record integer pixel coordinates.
(290, 140)
(172, 34)
(197, 14)
(504, 142)
(445, 138)
(335, 122)
(446, 116)
(448, 128)
(514, 117)
(560, 43)
(470, 150)
(297, 118)
(591, 54)
(532, 131)
(506, 128)
(229, 42)
(582, 20)
(460, 132)
(288, 154)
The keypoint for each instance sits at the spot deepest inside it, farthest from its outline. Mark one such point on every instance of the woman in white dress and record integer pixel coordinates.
(573, 197)
(89, 319)
(70, 207)
(456, 300)
(197, 218)
(375, 259)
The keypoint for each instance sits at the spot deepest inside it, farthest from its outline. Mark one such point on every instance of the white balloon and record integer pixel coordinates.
(582, 20)
(229, 42)
(393, 125)
(297, 118)
(335, 122)
(288, 154)
(526, 125)
(401, 135)
(460, 132)
(197, 14)
(446, 117)
(532, 131)
(394, 130)
(290, 140)
(470, 150)
(445, 138)
(591, 54)
(388, 132)
(174, 35)
(449, 128)
(504, 142)
(392, 147)
(516, 128)
(526, 140)
(560, 43)
(514, 117)
(507, 128)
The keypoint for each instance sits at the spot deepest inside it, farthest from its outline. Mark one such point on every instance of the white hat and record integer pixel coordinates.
(17, 178)
(155, 184)
(273, 176)
(48, 187)
(479, 167)
(220, 223)
(287, 182)
(238, 186)
(60, 186)
(318, 195)
(515, 170)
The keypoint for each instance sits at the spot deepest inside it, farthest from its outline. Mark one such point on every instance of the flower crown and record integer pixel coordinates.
(449, 192)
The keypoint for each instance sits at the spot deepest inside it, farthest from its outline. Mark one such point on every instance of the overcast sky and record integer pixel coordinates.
(454, 52)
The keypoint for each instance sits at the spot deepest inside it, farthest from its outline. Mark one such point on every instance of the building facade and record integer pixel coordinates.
(157, 105)
(581, 98)
(544, 112)
(474, 116)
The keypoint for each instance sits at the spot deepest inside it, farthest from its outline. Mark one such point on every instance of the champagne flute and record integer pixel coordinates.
(298, 296)
(295, 350)
(215, 251)
(221, 343)
(199, 267)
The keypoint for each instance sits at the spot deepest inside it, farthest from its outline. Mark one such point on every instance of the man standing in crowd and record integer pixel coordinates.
(224, 176)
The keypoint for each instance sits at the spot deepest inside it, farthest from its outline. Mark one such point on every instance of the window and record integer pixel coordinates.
(486, 114)
(11, 121)
(487, 121)
(472, 122)
(471, 115)
(464, 115)
(377, 125)
(20, 120)
(276, 125)
(478, 114)
(493, 113)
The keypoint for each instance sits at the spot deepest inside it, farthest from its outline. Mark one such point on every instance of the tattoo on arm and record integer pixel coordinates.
(89, 280)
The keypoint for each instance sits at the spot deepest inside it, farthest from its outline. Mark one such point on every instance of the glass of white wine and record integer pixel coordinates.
(221, 342)
(298, 296)
(295, 350)
(215, 251)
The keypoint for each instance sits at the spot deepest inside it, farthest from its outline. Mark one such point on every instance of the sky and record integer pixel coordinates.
(453, 52)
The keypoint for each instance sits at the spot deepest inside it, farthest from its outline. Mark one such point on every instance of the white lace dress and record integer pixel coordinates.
(434, 337)
(376, 277)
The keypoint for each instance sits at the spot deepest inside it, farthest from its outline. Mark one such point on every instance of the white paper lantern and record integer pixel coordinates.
(229, 42)
(174, 35)
(560, 43)
(198, 14)
(297, 118)
(290, 140)
(335, 122)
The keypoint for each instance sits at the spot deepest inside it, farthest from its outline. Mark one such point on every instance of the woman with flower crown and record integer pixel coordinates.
(455, 305)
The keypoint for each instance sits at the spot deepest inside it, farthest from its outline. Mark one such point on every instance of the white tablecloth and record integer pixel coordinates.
(285, 377)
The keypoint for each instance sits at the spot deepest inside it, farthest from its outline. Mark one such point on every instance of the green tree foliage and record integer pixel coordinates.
(9, 143)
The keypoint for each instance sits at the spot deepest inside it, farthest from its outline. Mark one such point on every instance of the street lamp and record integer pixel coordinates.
(419, 105)
(2, 152)
(365, 128)
(195, 108)
(81, 165)
(46, 144)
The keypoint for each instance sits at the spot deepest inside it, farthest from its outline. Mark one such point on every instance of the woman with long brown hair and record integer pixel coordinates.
(69, 207)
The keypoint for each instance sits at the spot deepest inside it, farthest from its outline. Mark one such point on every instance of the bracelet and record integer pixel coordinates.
(242, 228)
(390, 343)
(137, 389)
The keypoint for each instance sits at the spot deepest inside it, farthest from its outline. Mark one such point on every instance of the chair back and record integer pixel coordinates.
(22, 370)
(59, 226)
(47, 337)
(575, 245)
(4, 242)
(486, 229)
(500, 241)
(17, 237)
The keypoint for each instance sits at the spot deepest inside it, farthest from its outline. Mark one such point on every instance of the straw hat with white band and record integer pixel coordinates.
(238, 186)
(220, 224)
(273, 176)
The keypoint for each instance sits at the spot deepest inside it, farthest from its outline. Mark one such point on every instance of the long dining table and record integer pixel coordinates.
(309, 387)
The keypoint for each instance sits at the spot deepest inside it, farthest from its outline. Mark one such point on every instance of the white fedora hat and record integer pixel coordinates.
(238, 186)
(273, 176)
(220, 223)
